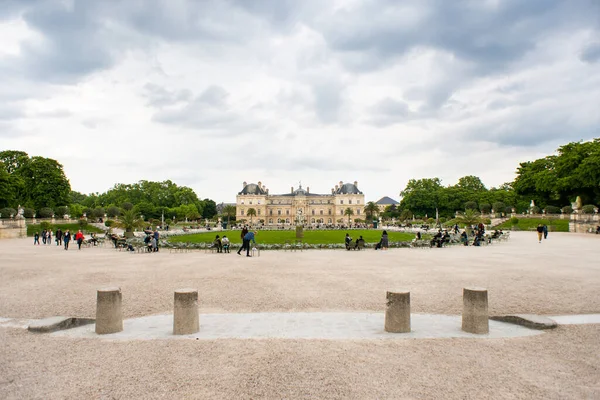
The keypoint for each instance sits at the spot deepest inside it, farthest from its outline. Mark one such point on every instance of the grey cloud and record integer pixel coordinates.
(159, 97)
(328, 101)
(10, 112)
(388, 112)
(208, 111)
(591, 53)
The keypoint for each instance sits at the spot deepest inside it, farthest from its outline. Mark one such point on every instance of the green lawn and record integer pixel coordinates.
(310, 236)
(33, 228)
(527, 224)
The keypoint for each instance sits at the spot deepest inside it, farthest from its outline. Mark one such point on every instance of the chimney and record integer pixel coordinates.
(341, 183)
(356, 183)
(307, 189)
(336, 187)
(260, 184)
(244, 183)
(292, 190)
(332, 190)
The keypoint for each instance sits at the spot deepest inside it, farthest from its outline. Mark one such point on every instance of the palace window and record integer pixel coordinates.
(312, 220)
(278, 212)
(258, 211)
(329, 211)
(242, 211)
(258, 202)
(357, 201)
(313, 212)
(270, 220)
(329, 221)
(321, 212)
(341, 212)
(242, 201)
(287, 212)
(250, 202)
(341, 201)
(350, 201)
(357, 211)
(287, 220)
(270, 212)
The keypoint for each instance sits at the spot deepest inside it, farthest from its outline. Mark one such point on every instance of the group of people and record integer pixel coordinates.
(360, 242)
(61, 238)
(221, 244)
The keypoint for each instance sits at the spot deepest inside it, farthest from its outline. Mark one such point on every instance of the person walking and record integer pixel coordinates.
(250, 237)
(156, 235)
(79, 238)
(36, 238)
(540, 232)
(44, 236)
(384, 241)
(67, 239)
(58, 235)
(49, 237)
(545, 231)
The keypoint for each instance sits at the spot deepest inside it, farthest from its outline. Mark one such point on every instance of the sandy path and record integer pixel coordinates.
(560, 276)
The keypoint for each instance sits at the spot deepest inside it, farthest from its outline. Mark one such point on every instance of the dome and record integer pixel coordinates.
(252, 188)
(300, 192)
(348, 188)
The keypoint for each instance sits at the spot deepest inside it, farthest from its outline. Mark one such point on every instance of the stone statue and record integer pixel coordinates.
(532, 204)
(20, 212)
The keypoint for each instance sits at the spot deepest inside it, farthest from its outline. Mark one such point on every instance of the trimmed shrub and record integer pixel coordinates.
(108, 223)
(552, 210)
(61, 211)
(508, 210)
(28, 212)
(82, 223)
(45, 225)
(113, 211)
(45, 212)
(588, 209)
(470, 205)
(567, 209)
(499, 206)
(514, 221)
(485, 208)
(535, 210)
(7, 212)
(126, 206)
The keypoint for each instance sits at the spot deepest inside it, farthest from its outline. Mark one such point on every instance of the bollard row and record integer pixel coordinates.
(109, 315)
(186, 320)
(475, 318)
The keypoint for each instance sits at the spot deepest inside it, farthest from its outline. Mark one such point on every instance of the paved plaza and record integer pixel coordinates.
(304, 324)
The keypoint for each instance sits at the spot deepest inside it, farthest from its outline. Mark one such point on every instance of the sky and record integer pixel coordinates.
(210, 94)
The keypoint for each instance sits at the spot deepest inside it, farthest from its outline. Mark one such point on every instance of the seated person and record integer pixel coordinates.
(225, 243)
(598, 230)
(436, 239)
(347, 241)
(360, 243)
(476, 241)
(418, 236)
(217, 244)
(463, 238)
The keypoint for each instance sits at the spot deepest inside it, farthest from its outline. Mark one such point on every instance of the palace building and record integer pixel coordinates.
(312, 208)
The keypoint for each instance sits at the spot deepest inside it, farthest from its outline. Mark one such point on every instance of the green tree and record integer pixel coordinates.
(130, 220)
(251, 213)
(45, 183)
(13, 160)
(469, 217)
(7, 191)
(423, 196)
(209, 208)
(371, 209)
(348, 212)
(229, 212)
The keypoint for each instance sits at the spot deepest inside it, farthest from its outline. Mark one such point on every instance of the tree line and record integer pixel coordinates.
(553, 182)
(40, 186)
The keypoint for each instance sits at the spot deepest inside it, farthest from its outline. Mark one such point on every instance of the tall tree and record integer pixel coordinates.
(371, 209)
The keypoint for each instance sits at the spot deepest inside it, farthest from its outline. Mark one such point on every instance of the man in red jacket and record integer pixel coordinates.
(79, 238)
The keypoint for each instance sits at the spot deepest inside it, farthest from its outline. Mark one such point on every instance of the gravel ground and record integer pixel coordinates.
(559, 276)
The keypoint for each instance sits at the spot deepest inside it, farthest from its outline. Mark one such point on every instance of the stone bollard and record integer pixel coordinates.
(109, 317)
(185, 315)
(475, 311)
(397, 312)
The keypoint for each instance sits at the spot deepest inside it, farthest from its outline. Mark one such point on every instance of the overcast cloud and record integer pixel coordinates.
(210, 94)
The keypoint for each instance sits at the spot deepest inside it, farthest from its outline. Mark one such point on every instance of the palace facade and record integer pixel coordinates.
(312, 208)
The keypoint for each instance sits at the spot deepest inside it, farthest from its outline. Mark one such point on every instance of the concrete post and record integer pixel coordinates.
(475, 311)
(109, 317)
(185, 315)
(397, 312)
